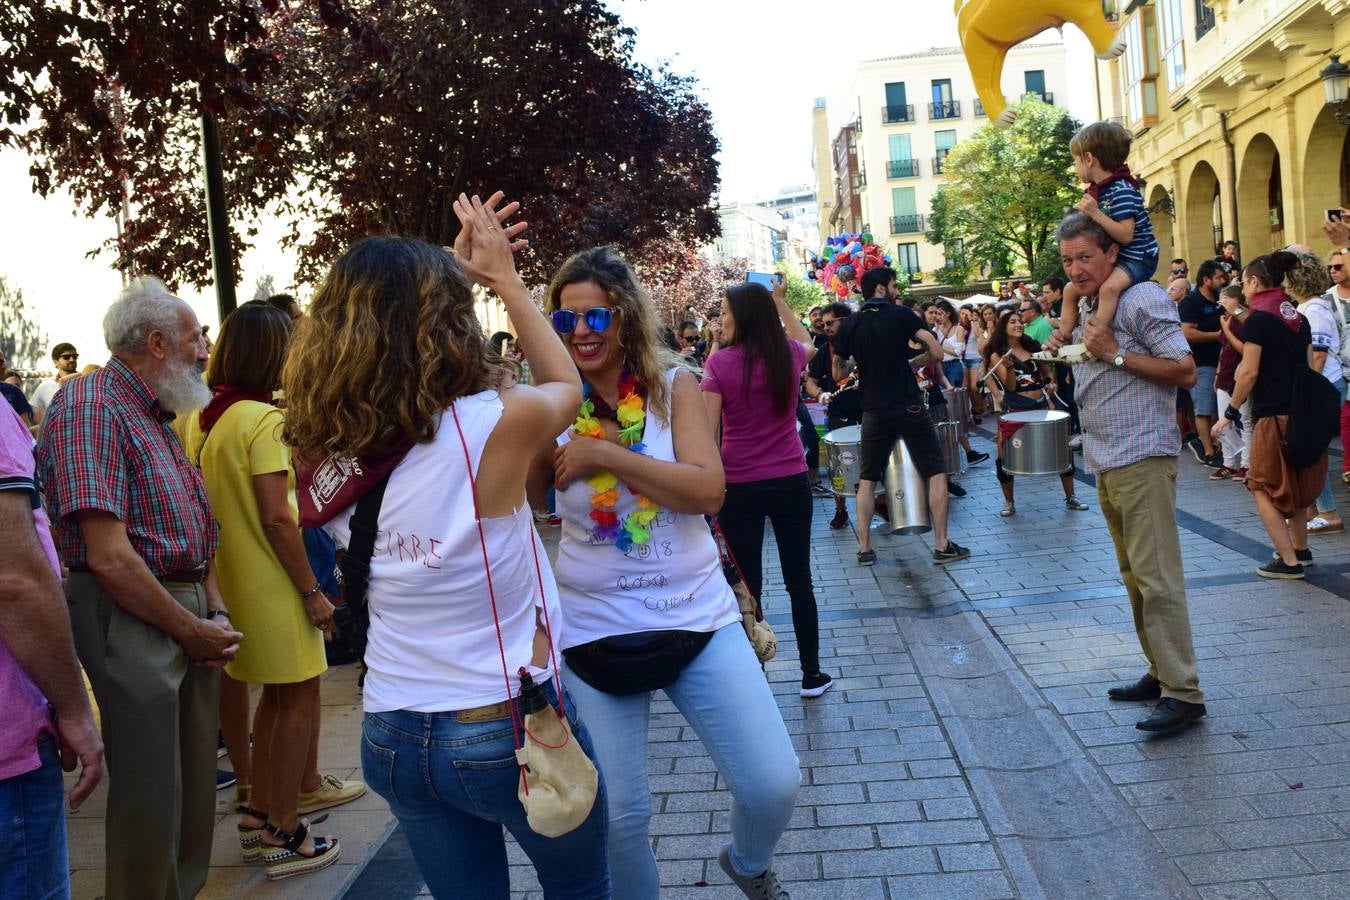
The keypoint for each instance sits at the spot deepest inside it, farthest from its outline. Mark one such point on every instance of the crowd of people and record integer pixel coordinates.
(174, 491)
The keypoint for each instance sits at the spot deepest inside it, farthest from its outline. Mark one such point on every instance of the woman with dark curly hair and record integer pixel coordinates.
(1020, 383)
(428, 413)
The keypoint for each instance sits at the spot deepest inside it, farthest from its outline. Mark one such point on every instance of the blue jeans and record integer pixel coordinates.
(726, 699)
(452, 786)
(1326, 501)
(33, 830)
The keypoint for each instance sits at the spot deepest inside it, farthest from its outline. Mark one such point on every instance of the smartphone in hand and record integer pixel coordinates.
(762, 278)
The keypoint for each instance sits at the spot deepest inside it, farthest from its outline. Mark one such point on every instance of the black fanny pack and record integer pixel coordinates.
(636, 663)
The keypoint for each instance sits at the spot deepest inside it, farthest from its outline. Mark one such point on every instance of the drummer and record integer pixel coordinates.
(932, 382)
(1019, 383)
(842, 408)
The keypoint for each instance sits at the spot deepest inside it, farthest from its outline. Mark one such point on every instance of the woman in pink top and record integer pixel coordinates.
(750, 387)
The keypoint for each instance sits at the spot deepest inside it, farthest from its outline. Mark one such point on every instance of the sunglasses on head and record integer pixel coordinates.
(597, 319)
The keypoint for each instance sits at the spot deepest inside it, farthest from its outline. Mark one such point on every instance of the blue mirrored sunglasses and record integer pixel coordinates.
(597, 319)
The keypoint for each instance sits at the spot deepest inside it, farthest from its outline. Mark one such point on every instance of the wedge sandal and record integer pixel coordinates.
(287, 860)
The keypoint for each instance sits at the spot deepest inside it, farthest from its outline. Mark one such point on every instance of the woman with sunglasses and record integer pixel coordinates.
(1020, 384)
(641, 579)
(751, 392)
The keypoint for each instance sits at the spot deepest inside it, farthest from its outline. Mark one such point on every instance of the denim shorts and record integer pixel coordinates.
(954, 371)
(1203, 398)
(1139, 270)
(452, 786)
(971, 363)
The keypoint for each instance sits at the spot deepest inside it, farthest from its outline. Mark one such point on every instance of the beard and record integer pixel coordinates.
(181, 389)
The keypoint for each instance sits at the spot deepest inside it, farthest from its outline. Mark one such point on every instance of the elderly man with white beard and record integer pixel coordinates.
(135, 530)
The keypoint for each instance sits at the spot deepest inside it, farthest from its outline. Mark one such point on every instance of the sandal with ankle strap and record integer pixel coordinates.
(287, 860)
(250, 839)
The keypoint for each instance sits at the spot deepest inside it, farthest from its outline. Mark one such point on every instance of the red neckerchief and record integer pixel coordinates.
(1121, 174)
(223, 396)
(1276, 302)
(326, 488)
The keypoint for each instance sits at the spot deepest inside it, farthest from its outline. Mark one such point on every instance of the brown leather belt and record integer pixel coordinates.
(195, 575)
(491, 713)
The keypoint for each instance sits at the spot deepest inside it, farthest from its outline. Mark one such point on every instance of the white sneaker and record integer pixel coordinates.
(1008, 510)
(1076, 442)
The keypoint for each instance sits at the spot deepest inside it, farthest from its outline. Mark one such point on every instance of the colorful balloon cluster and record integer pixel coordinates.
(844, 259)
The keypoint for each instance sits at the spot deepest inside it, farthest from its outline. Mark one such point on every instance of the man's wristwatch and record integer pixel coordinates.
(1119, 360)
(1233, 414)
(215, 613)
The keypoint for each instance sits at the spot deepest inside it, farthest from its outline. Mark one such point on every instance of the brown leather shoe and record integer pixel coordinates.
(1146, 688)
(840, 519)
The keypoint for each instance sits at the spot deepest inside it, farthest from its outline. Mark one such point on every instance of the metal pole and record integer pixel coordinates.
(217, 216)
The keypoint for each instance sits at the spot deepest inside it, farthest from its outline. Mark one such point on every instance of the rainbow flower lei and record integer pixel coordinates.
(631, 414)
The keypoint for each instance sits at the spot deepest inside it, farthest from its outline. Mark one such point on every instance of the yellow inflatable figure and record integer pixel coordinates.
(990, 28)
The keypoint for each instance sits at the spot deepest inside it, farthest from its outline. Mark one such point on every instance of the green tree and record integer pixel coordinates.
(1008, 189)
(802, 293)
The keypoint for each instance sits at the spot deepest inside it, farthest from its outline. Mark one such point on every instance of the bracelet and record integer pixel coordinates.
(1232, 413)
(216, 613)
(305, 595)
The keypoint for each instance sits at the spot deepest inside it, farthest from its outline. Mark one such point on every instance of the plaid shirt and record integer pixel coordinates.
(1126, 418)
(106, 445)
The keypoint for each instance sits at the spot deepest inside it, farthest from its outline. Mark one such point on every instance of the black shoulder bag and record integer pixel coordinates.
(352, 617)
(1314, 418)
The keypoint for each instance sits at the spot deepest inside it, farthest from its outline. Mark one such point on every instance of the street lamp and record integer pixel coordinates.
(1336, 83)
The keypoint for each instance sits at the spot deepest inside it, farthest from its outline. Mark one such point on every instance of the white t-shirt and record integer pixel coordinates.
(1326, 334)
(432, 644)
(672, 582)
(43, 394)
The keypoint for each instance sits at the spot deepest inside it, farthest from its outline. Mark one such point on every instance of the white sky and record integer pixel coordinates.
(761, 65)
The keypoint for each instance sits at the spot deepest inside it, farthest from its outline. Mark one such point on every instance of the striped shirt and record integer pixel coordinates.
(1121, 200)
(1126, 418)
(106, 445)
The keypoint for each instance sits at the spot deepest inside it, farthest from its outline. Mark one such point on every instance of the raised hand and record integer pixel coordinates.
(485, 244)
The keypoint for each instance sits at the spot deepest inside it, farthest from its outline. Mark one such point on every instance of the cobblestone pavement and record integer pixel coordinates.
(968, 750)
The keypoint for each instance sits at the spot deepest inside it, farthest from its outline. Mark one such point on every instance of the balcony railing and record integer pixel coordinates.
(948, 109)
(938, 162)
(892, 115)
(908, 224)
(858, 180)
(902, 168)
(1047, 97)
(915, 276)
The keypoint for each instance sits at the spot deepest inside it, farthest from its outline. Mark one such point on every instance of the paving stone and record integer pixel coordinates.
(957, 886)
(1243, 865)
(968, 857)
(1244, 890)
(1277, 832)
(924, 834)
(950, 808)
(1335, 886)
(901, 861)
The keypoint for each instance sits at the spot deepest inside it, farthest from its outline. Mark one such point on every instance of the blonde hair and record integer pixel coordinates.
(1308, 279)
(645, 354)
(395, 317)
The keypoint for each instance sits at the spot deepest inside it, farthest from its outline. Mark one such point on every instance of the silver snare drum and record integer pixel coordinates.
(844, 446)
(956, 408)
(949, 439)
(1040, 446)
(906, 493)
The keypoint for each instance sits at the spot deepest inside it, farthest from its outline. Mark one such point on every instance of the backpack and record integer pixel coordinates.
(1314, 418)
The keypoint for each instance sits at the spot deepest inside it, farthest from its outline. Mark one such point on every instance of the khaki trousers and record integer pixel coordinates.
(1139, 502)
(159, 733)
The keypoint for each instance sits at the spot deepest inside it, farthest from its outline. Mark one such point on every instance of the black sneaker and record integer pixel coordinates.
(815, 685)
(1304, 557)
(1197, 449)
(224, 779)
(1278, 569)
(1215, 460)
(975, 457)
(953, 552)
(956, 490)
(220, 745)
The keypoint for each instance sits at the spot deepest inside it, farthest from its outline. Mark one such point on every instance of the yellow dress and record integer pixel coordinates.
(280, 646)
